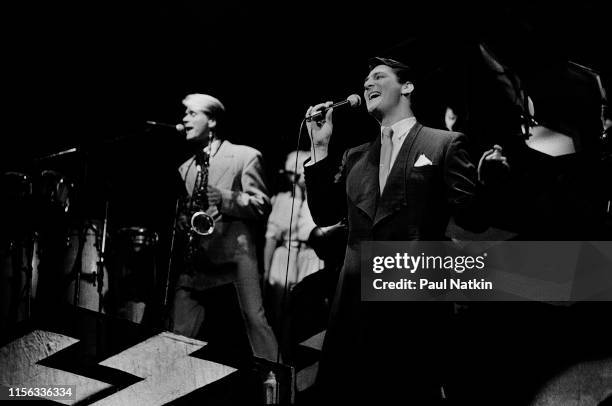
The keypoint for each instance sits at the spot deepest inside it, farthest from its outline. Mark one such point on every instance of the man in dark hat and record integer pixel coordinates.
(404, 185)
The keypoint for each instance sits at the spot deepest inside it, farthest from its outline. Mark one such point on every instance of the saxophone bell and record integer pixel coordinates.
(202, 223)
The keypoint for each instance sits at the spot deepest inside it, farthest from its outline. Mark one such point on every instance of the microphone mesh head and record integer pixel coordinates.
(354, 100)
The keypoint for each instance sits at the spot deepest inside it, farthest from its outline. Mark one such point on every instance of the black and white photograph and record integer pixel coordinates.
(306, 203)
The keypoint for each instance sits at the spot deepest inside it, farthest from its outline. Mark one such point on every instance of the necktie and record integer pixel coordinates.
(386, 149)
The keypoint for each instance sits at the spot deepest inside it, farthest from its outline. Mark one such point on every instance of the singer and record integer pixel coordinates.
(238, 201)
(403, 185)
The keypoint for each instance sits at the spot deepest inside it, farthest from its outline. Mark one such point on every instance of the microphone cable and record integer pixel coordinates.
(285, 296)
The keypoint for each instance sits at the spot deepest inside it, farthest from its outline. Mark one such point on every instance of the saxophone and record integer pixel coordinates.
(201, 222)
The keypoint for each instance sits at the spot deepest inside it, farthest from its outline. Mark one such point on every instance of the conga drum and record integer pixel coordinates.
(81, 261)
(134, 272)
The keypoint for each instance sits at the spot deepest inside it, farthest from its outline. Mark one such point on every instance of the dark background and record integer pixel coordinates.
(85, 75)
(90, 75)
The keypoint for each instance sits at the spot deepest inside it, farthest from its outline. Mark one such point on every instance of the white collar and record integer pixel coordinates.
(402, 127)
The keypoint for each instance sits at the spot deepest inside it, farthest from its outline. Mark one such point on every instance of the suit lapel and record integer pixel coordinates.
(187, 172)
(185, 167)
(363, 185)
(223, 161)
(394, 193)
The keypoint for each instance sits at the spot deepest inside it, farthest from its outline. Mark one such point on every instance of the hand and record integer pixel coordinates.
(327, 241)
(320, 131)
(493, 165)
(182, 222)
(214, 196)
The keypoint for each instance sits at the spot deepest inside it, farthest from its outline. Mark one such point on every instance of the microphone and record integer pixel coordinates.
(175, 127)
(353, 101)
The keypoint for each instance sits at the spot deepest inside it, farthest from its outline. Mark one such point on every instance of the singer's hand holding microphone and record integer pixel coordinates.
(320, 126)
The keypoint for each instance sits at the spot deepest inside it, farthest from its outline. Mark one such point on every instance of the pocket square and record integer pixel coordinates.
(422, 161)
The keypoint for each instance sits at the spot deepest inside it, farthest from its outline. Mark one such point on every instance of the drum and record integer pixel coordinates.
(18, 280)
(82, 255)
(135, 239)
(53, 191)
(134, 273)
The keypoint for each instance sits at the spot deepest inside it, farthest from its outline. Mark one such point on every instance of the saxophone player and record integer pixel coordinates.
(237, 200)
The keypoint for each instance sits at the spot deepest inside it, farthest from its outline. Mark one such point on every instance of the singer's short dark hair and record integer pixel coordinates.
(403, 72)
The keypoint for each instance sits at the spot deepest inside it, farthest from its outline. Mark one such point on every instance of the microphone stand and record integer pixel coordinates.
(29, 257)
(101, 258)
(166, 319)
(77, 266)
(57, 154)
(84, 226)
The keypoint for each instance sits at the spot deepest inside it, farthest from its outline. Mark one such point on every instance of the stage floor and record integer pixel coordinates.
(110, 361)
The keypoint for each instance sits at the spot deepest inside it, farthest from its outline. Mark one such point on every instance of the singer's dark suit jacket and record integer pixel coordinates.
(415, 205)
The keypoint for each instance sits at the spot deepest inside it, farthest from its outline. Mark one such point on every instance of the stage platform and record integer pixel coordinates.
(111, 361)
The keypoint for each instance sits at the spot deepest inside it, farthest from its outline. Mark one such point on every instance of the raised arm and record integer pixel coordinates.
(464, 192)
(252, 201)
(324, 179)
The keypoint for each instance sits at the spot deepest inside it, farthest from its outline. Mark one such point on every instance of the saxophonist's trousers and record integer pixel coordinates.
(189, 315)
